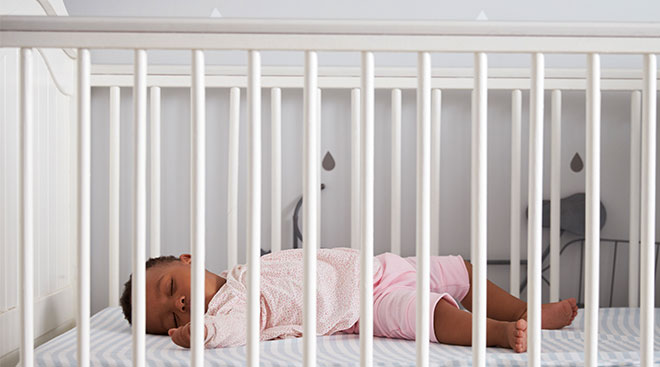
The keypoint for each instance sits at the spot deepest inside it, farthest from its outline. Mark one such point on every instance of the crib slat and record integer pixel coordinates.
(395, 215)
(516, 118)
(198, 208)
(555, 199)
(26, 200)
(635, 161)
(592, 224)
(534, 239)
(355, 168)
(84, 197)
(310, 204)
(423, 222)
(154, 230)
(139, 208)
(648, 208)
(319, 157)
(276, 169)
(479, 218)
(232, 177)
(367, 210)
(254, 205)
(436, 120)
(113, 197)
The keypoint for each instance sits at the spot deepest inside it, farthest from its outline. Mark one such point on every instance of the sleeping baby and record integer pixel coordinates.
(338, 300)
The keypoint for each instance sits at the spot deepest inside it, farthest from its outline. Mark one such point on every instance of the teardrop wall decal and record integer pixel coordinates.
(576, 163)
(328, 162)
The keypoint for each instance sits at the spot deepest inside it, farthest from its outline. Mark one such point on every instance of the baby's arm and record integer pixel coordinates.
(181, 335)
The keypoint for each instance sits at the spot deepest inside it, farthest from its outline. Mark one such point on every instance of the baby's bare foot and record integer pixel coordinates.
(574, 308)
(516, 332)
(557, 315)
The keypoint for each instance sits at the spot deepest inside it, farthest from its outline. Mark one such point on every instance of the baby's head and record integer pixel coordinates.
(168, 293)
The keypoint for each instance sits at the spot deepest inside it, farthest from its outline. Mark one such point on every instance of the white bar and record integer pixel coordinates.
(154, 230)
(395, 213)
(232, 177)
(473, 182)
(276, 170)
(367, 211)
(555, 198)
(592, 222)
(254, 206)
(197, 208)
(635, 161)
(139, 208)
(319, 158)
(436, 136)
(423, 219)
(113, 197)
(26, 205)
(310, 205)
(332, 35)
(534, 233)
(479, 197)
(355, 168)
(84, 197)
(648, 208)
(516, 118)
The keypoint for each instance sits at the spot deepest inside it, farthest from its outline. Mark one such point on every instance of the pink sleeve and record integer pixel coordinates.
(225, 330)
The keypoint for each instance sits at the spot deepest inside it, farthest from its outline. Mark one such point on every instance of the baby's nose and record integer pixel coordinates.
(181, 304)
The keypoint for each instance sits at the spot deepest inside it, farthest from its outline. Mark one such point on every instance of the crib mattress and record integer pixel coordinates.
(618, 343)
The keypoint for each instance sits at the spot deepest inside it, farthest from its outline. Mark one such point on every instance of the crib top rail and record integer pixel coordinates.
(329, 35)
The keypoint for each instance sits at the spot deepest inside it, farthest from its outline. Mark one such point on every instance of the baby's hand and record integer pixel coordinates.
(181, 335)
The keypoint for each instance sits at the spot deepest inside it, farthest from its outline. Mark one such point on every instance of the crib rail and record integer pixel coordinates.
(367, 37)
(329, 35)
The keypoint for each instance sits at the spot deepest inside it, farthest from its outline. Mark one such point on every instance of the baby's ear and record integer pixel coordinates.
(185, 258)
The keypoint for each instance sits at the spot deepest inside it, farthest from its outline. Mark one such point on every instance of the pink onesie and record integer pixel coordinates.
(338, 296)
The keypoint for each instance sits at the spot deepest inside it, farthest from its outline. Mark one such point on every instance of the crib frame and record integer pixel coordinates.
(367, 37)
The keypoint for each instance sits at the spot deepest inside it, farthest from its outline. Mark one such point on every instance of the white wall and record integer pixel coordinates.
(454, 222)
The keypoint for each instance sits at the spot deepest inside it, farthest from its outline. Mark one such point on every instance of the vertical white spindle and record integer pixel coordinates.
(355, 168)
(139, 208)
(276, 170)
(84, 198)
(592, 223)
(154, 230)
(516, 118)
(310, 205)
(473, 182)
(318, 172)
(254, 206)
(367, 211)
(436, 127)
(479, 197)
(232, 177)
(113, 197)
(648, 208)
(26, 218)
(635, 152)
(198, 208)
(555, 198)
(395, 214)
(535, 197)
(423, 218)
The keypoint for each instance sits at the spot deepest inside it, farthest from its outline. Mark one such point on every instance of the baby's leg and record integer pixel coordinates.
(454, 326)
(505, 307)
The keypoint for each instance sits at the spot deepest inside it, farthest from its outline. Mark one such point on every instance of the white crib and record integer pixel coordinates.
(367, 37)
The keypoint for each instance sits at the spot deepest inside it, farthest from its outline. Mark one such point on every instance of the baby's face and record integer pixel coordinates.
(168, 295)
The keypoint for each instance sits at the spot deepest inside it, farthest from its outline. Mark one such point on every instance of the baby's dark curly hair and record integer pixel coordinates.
(125, 299)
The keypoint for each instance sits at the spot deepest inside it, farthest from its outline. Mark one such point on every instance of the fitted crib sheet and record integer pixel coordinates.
(618, 343)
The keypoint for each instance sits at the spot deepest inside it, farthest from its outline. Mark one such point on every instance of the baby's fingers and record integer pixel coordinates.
(180, 337)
